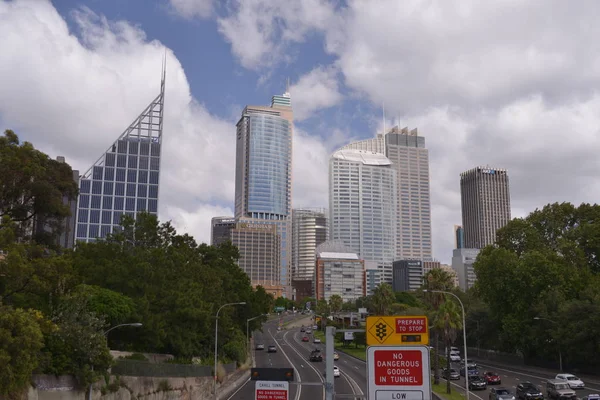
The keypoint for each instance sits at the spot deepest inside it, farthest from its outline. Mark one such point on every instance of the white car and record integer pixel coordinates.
(336, 372)
(573, 381)
(454, 357)
(317, 340)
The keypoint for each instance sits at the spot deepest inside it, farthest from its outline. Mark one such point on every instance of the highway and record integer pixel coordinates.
(292, 352)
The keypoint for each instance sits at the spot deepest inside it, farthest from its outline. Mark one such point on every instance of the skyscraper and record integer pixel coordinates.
(410, 158)
(485, 200)
(406, 150)
(263, 175)
(362, 204)
(309, 229)
(125, 179)
(459, 237)
(221, 229)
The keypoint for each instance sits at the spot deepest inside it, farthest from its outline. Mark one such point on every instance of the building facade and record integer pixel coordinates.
(220, 231)
(408, 275)
(259, 246)
(459, 237)
(125, 179)
(429, 265)
(362, 204)
(338, 271)
(263, 177)
(485, 201)
(462, 264)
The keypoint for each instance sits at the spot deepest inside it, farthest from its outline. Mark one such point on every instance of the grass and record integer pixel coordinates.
(360, 353)
(440, 390)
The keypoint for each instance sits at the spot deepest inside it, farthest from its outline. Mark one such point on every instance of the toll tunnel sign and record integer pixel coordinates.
(398, 372)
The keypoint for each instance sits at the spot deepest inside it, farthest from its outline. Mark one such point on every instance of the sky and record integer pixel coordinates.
(512, 84)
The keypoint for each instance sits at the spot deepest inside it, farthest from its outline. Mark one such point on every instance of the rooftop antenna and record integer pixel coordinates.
(164, 72)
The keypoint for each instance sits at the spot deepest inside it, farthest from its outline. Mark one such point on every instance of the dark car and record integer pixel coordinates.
(316, 356)
(500, 394)
(472, 371)
(451, 374)
(303, 329)
(272, 349)
(477, 383)
(492, 378)
(528, 391)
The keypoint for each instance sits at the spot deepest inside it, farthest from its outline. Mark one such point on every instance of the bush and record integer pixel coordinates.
(136, 357)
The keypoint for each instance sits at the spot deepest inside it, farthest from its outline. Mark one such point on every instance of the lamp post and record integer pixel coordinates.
(248, 331)
(464, 334)
(217, 339)
(560, 363)
(135, 324)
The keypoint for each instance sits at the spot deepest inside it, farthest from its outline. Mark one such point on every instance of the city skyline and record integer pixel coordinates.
(100, 63)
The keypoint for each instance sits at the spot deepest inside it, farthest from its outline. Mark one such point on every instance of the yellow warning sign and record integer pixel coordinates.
(397, 330)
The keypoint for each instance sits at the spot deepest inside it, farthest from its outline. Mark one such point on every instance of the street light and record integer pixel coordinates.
(248, 326)
(464, 334)
(560, 364)
(217, 339)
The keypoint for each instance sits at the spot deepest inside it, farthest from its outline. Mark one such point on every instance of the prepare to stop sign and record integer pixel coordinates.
(411, 325)
(398, 368)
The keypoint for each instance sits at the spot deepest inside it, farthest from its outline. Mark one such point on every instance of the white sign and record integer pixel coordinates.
(398, 373)
(348, 335)
(272, 390)
(362, 310)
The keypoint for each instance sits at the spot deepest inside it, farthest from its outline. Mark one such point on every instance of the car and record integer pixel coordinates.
(528, 391)
(591, 397)
(305, 339)
(477, 383)
(278, 328)
(303, 329)
(315, 327)
(316, 340)
(501, 394)
(336, 356)
(451, 374)
(573, 381)
(472, 371)
(454, 357)
(272, 349)
(316, 356)
(559, 389)
(492, 378)
(308, 331)
(260, 346)
(470, 363)
(336, 372)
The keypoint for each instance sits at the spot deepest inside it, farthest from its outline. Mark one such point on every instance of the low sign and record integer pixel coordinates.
(272, 390)
(348, 336)
(397, 330)
(398, 373)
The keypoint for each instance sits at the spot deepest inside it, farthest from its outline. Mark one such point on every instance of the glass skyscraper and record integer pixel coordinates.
(263, 184)
(125, 179)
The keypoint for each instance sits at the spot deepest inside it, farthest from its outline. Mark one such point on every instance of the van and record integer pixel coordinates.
(559, 390)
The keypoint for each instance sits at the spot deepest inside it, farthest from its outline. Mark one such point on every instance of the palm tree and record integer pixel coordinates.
(382, 299)
(437, 279)
(335, 303)
(448, 320)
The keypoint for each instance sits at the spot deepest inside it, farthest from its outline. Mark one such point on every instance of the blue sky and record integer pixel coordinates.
(510, 84)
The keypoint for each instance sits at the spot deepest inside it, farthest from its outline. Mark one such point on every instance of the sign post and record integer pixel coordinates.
(272, 390)
(398, 373)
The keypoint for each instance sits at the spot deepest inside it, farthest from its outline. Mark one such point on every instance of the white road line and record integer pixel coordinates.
(299, 387)
(241, 387)
(301, 356)
(355, 365)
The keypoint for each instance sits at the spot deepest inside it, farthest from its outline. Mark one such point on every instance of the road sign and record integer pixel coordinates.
(348, 336)
(397, 330)
(398, 373)
(272, 390)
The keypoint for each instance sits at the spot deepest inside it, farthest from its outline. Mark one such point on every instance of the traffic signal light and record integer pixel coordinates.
(272, 374)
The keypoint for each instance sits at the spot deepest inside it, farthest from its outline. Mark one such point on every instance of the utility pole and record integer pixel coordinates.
(329, 378)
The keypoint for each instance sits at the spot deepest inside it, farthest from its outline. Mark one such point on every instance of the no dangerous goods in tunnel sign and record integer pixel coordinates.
(399, 373)
(397, 330)
(272, 390)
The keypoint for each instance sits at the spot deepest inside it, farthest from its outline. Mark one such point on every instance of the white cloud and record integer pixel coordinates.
(260, 30)
(315, 91)
(310, 170)
(74, 99)
(198, 219)
(193, 8)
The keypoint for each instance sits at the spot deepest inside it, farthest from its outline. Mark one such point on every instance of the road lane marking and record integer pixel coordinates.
(302, 357)
(241, 387)
(299, 387)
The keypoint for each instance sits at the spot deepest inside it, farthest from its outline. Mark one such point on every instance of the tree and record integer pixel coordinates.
(335, 303)
(448, 320)
(34, 189)
(538, 263)
(382, 299)
(20, 342)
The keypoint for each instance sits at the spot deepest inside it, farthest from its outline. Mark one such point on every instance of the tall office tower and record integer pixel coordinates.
(221, 229)
(485, 200)
(376, 144)
(125, 179)
(408, 275)
(263, 174)
(406, 150)
(309, 229)
(459, 237)
(462, 264)
(362, 204)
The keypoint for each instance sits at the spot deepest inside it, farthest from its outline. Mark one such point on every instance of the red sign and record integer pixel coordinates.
(398, 367)
(411, 325)
(270, 394)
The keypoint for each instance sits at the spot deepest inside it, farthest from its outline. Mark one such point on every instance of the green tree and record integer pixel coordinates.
(33, 190)
(382, 299)
(20, 342)
(335, 303)
(448, 320)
